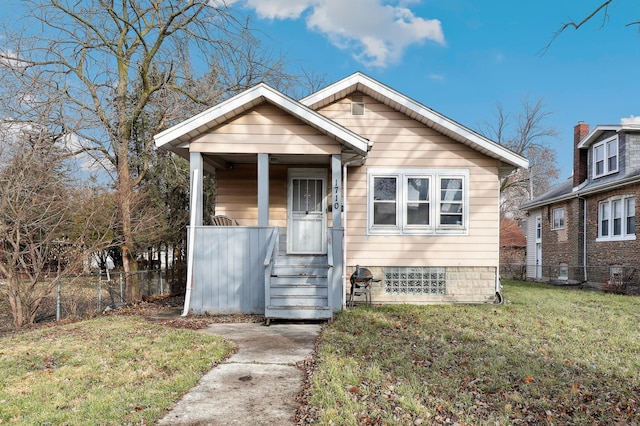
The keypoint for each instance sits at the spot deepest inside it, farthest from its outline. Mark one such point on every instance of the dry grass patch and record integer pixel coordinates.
(111, 370)
(549, 356)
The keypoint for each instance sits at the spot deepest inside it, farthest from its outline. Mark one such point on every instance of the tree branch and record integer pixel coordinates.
(603, 6)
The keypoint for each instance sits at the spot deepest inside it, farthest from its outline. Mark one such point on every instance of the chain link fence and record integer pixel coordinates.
(613, 279)
(87, 295)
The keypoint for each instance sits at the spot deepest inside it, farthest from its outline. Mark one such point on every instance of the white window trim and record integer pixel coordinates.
(624, 236)
(538, 228)
(434, 176)
(605, 144)
(553, 218)
(416, 229)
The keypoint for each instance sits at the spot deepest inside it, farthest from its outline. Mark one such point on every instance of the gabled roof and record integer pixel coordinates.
(177, 137)
(359, 82)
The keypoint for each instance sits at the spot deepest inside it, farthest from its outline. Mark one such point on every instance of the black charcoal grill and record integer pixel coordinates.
(361, 281)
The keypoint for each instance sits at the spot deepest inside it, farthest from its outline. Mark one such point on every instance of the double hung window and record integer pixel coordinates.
(605, 157)
(558, 218)
(617, 219)
(417, 201)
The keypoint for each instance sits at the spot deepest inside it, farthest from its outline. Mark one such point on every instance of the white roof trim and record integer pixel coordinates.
(361, 82)
(200, 123)
(599, 130)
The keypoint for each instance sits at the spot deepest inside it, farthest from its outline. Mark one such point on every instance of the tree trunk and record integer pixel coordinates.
(129, 263)
(15, 301)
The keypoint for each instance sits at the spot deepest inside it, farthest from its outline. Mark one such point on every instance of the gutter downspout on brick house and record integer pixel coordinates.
(584, 238)
(580, 170)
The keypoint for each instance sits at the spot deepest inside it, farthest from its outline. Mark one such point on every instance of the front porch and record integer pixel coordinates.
(262, 147)
(289, 266)
(243, 269)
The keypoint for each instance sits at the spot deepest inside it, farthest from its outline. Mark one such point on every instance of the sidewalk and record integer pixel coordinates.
(257, 385)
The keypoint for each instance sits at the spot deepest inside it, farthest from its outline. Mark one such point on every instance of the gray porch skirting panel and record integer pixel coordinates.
(229, 269)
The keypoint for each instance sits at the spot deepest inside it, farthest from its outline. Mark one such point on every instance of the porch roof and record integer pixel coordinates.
(359, 82)
(177, 138)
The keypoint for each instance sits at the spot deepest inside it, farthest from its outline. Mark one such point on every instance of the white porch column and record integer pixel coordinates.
(196, 163)
(263, 189)
(338, 297)
(336, 190)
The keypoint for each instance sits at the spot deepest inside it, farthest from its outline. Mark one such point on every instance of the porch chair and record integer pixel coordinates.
(222, 220)
(361, 281)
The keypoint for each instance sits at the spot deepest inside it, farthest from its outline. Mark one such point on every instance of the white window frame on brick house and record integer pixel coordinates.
(616, 219)
(557, 221)
(398, 209)
(605, 157)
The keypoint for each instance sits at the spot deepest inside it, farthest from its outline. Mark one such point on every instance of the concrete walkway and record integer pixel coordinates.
(255, 386)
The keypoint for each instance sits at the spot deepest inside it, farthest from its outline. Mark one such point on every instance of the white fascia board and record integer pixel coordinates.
(205, 117)
(479, 141)
(331, 90)
(218, 113)
(599, 130)
(355, 141)
(595, 133)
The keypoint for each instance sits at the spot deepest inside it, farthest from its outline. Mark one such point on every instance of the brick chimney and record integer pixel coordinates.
(580, 131)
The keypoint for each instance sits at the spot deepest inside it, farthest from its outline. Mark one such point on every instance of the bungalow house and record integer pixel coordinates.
(584, 229)
(354, 174)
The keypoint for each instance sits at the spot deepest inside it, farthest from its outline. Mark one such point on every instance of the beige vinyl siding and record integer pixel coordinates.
(237, 194)
(402, 143)
(265, 128)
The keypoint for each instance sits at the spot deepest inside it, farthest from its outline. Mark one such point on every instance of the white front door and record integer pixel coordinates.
(538, 246)
(306, 211)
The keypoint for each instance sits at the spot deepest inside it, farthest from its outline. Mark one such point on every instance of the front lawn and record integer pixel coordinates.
(111, 370)
(547, 356)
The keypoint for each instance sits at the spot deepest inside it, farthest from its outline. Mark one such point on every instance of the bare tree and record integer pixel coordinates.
(41, 234)
(122, 70)
(527, 134)
(601, 10)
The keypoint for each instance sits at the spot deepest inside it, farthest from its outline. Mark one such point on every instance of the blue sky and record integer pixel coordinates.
(462, 57)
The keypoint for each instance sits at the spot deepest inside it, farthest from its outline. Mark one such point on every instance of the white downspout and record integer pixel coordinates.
(584, 239)
(344, 232)
(192, 233)
(344, 235)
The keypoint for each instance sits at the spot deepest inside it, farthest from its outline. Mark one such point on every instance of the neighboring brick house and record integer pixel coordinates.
(584, 230)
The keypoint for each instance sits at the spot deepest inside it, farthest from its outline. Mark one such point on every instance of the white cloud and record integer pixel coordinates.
(279, 9)
(630, 120)
(437, 77)
(376, 32)
(90, 161)
(11, 59)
